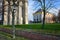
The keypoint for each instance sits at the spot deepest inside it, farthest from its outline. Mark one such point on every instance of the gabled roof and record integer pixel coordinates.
(39, 10)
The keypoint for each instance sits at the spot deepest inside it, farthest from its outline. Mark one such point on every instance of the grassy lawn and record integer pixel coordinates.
(35, 26)
(9, 36)
(53, 29)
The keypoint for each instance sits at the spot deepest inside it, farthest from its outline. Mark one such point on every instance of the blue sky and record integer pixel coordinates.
(32, 7)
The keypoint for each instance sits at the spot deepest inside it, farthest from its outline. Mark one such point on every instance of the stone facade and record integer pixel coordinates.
(21, 12)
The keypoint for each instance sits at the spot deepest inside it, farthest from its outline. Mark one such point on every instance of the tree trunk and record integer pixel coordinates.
(43, 15)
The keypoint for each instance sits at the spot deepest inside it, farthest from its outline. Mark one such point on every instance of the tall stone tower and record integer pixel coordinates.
(21, 14)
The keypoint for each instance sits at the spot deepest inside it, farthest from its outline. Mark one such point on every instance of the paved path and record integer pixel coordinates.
(31, 35)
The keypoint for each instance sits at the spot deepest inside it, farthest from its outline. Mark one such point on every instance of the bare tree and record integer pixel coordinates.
(46, 5)
(59, 16)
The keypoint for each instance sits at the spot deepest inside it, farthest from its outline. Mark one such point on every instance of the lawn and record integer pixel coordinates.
(36, 26)
(7, 36)
(53, 29)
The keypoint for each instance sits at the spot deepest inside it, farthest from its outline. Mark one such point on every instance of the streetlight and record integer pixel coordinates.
(14, 6)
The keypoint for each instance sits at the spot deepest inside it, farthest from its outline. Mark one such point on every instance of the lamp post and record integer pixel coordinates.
(13, 17)
(9, 11)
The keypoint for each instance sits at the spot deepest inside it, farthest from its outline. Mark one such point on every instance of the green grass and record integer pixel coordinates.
(6, 35)
(9, 36)
(36, 26)
(49, 32)
(53, 29)
(48, 28)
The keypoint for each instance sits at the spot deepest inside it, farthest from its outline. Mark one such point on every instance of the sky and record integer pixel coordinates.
(30, 10)
(33, 7)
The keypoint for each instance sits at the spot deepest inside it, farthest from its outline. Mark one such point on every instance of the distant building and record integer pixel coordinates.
(38, 17)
